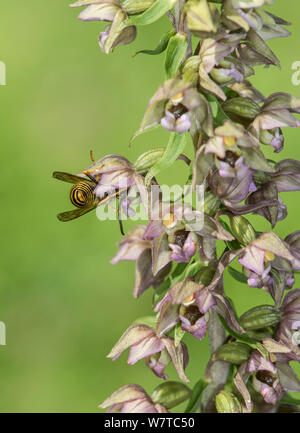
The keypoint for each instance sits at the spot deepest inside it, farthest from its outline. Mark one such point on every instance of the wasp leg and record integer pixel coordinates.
(120, 219)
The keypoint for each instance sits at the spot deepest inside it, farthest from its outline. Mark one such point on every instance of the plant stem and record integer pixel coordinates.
(217, 371)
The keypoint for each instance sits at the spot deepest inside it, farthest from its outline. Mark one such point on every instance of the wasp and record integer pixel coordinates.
(83, 197)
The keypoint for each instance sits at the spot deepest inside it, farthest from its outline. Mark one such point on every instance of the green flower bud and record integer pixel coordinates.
(242, 107)
(235, 353)
(136, 6)
(170, 394)
(210, 203)
(205, 275)
(148, 160)
(226, 402)
(242, 230)
(260, 317)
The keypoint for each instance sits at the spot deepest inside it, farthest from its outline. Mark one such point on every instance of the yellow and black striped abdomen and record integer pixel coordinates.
(82, 195)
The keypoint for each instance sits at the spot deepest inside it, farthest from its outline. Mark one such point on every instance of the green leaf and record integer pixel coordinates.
(175, 53)
(241, 337)
(179, 270)
(217, 110)
(237, 275)
(174, 148)
(161, 47)
(290, 400)
(195, 399)
(156, 11)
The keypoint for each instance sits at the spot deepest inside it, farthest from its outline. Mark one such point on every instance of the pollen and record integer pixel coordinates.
(269, 256)
(189, 300)
(168, 219)
(229, 141)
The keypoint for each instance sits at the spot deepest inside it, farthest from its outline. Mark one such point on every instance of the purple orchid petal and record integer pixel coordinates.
(183, 124)
(257, 362)
(253, 259)
(198, 330)
(183, 254)
(138, 406)
(146, 347)
(158, 364)
(154, 229)
(168, 122)
(205, 300)
(133, 335)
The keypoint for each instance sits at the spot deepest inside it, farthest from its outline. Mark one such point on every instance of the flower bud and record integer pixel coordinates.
(242, 229)
(132, 7)
(148, 160)
(294, 240)
(205, 275)
(260, 317)
(235, 353)
(226, 402)
(190, 69)
(170, 394)
(210, 203)
(242, 107)
(230, 71)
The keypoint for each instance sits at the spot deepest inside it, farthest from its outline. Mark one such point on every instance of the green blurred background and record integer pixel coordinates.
(64, 305)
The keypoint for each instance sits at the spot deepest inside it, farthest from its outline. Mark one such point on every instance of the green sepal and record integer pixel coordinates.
(237, 275)
(178, 334)
(150, 321)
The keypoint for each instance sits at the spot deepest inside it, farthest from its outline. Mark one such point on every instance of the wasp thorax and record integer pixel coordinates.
(82, 194)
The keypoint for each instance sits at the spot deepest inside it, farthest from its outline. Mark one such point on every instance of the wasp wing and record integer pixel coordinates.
(75, 213)
(71, 178)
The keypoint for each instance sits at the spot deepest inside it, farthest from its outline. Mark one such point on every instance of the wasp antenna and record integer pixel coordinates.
(92, 156)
